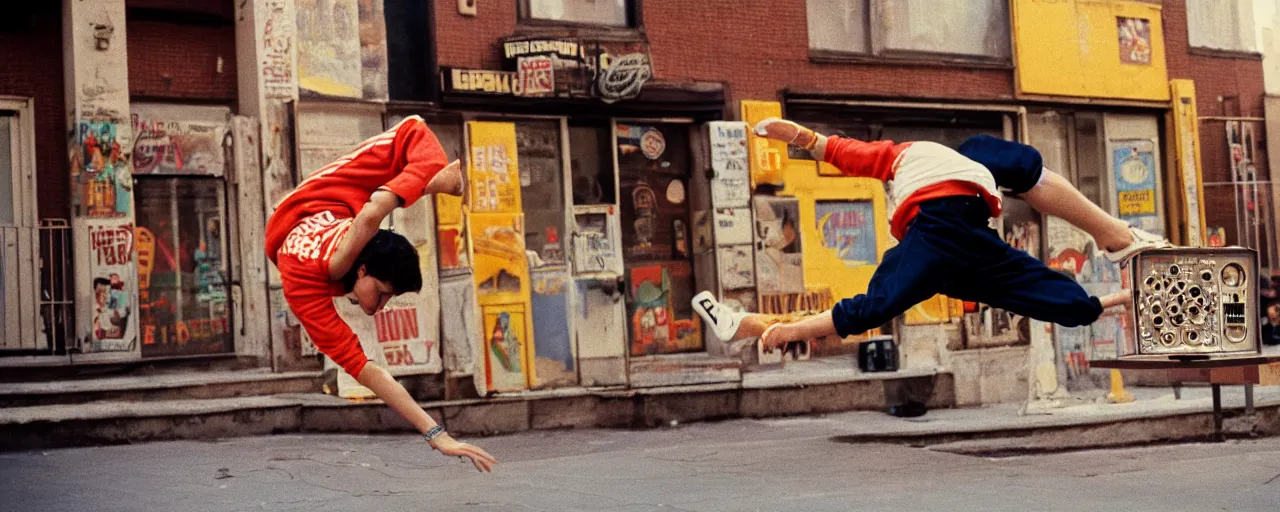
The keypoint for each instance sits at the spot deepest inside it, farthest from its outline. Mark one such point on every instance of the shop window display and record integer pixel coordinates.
(183, 290)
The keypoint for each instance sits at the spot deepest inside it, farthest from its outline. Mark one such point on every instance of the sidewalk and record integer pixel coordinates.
(821, 390)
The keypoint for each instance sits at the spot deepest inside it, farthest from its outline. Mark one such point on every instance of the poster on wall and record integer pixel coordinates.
(328, 132)
(779, 259)
(501, 267)
(730, 186)
(732, 226)
(114, 321)
(328, 38)
(462, 345)
(1134, 35)
(848, 228)
(736, 267)
(1135, 181)
(163, 146)
(505, 340)
(1073, 252)
(494, 168)
(101, 172)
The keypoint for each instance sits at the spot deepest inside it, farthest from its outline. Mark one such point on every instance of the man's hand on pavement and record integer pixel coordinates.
(481, 459)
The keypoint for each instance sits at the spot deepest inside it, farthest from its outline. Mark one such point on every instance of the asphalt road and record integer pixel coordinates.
(747, 465)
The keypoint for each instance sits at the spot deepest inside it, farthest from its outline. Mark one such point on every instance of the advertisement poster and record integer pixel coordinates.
(1135, 180)
(114, 323)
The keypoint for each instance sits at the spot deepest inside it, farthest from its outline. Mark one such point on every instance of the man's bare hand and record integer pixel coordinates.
(785, 131)
(481, 459)
(774, 337)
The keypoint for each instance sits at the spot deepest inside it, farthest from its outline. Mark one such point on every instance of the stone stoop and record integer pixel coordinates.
(87, 413)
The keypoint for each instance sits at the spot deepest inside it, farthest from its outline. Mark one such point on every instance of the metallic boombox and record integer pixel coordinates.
(1195, 303)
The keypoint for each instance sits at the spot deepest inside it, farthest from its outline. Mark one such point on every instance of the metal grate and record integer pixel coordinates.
(57, 307)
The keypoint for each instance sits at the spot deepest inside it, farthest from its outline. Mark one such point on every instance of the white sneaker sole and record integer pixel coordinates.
(1142, 241)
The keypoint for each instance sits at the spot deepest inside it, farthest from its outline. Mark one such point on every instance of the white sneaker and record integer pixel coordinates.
(724, 322)
(1142, 241)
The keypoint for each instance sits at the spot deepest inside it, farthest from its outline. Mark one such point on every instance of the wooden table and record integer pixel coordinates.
(1263, 370)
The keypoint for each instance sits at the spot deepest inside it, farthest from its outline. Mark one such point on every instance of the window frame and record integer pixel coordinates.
(524, 17)
(876, 51)
(1206, 51)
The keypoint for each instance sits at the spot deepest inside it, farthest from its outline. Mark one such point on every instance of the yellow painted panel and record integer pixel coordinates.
(501, 270)
(493, 168)
(935, 310)
(1074, 48)
(1186, 129)
(823, 266)
(768, 157)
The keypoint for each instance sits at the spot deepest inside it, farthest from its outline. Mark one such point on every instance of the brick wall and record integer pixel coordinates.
(1225, 86)
(767, 50)
(33, 68)
(174, 51)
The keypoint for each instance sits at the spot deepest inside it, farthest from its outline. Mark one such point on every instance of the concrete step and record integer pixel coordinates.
(198, 385)
(115, 422)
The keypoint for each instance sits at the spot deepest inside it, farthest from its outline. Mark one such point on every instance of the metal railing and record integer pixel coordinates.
(57, 291)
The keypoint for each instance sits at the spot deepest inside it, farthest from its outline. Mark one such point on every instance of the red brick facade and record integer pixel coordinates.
(1225, 86)
(33, 68)
(175, 53)
(766, 52)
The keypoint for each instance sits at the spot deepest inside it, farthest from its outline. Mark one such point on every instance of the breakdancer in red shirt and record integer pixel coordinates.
(324, 237)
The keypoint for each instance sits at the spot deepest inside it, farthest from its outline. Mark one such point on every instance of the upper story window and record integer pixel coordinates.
(601, 13)
(968, 29)
(1221, 25)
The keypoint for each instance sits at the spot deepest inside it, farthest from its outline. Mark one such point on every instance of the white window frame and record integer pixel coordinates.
(21, 304)
(876, 45)
(1246, 38)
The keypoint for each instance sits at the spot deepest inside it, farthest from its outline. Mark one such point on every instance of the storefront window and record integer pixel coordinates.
(591, 163)
(182, 266)
(609, 13)
(542, 190)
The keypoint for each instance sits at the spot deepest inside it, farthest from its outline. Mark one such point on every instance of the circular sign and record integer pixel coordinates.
(675, 192)
(1134, 171)
(652, 144)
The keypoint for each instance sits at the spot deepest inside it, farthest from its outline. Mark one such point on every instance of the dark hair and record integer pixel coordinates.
(101, 281)
(387, 257)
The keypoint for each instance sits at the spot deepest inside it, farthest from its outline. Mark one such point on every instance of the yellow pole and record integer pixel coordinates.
(1118, 395)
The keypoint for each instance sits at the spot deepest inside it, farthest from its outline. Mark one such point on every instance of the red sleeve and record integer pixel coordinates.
(420, 157)
(862, 159)
(312, 304)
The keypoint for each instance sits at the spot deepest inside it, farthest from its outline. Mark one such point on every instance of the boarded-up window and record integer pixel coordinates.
(966, 28)
(611, 13)
(1221, 25)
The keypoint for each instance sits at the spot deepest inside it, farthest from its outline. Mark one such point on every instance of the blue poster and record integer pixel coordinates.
(1135, 179)
(849, 228)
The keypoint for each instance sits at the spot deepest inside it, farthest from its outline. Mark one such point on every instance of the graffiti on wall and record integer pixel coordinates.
(179, 147)
(779, 260)
(505, 340)
(658, 324)
(848, 228)
(1134, 35)
(1073, 252)
(278, 37)
(329, 47)
(101, 170)
(111, 249)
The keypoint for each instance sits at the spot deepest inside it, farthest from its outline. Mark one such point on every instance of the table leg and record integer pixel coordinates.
(1217, 412)
(1248, 398)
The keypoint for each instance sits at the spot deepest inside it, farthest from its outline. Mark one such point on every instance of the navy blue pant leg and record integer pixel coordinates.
(911, 272)
(1016, 167)
(1012, 280)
